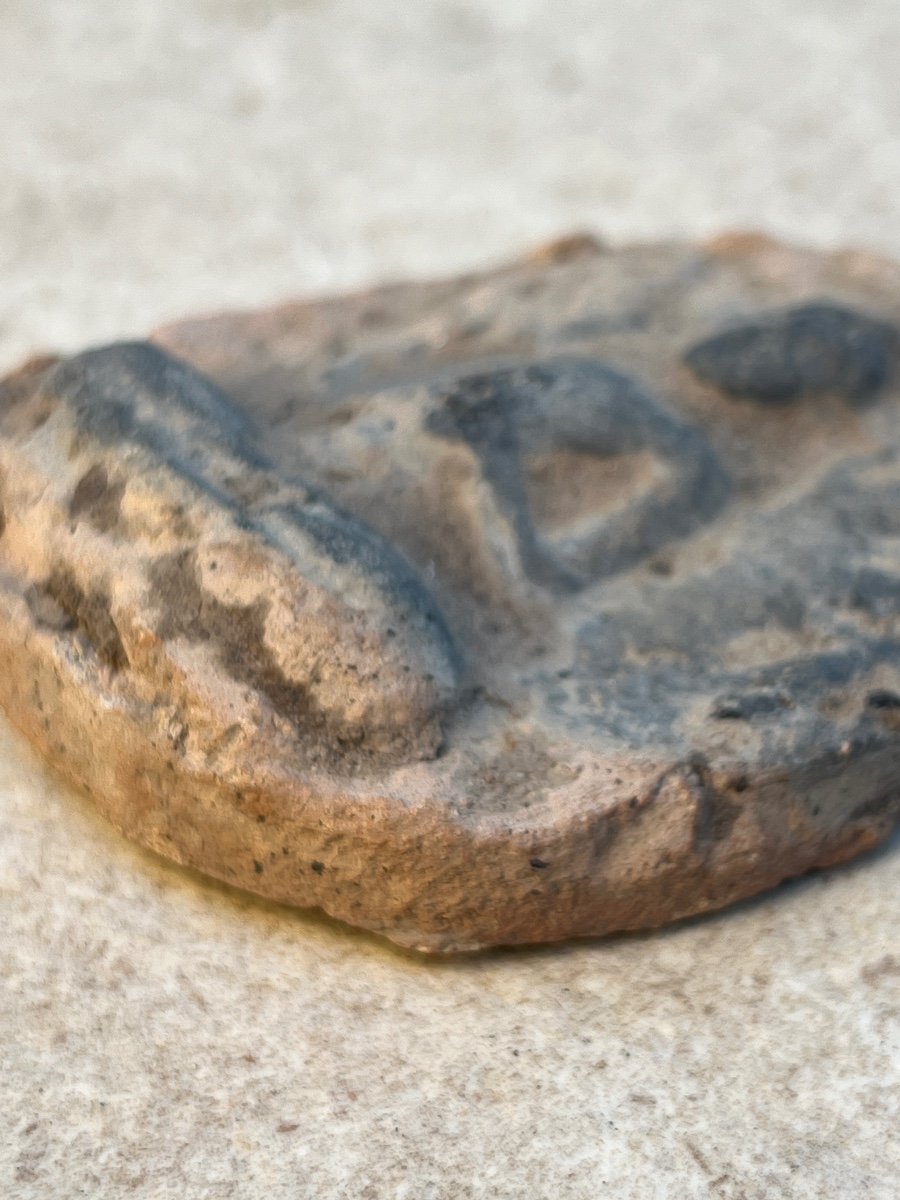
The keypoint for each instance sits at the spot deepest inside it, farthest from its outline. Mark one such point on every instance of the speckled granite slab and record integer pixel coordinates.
(546, 602)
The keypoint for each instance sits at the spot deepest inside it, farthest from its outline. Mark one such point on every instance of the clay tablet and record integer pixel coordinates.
(547, 602)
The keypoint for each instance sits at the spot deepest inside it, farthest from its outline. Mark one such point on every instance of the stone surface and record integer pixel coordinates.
(161, 1035)
(552, 601)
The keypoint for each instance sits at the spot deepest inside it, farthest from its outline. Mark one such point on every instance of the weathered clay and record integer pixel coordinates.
(547, 602)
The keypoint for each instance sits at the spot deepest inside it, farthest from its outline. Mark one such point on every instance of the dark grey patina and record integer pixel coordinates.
(581, 602)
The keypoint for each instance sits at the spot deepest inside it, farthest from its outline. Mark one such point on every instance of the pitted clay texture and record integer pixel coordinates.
(534, 604)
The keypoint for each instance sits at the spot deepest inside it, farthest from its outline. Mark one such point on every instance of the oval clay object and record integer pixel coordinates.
(540, 603)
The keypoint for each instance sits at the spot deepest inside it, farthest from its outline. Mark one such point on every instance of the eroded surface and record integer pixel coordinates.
(671, 528)
(544, 602)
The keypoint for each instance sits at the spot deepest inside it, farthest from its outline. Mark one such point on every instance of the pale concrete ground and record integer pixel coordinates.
(161, 1037)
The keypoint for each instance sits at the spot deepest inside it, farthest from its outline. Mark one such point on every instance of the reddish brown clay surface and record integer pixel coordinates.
(546, 602)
